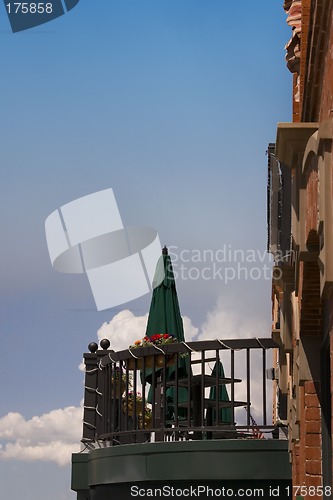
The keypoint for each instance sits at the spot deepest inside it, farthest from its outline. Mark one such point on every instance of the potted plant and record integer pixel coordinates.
(119, 382)
(147, 418)
(128, 407)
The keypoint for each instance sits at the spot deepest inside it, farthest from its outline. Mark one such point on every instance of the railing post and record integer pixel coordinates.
(90, 394)
(103, 401)
(95, 398)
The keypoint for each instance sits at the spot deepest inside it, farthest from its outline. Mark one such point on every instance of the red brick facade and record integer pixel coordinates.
(311, 306)
(305, 146)
(306, 455)
(326, 104)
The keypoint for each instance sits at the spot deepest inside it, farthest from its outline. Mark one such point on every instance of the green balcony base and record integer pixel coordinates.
(112, 469)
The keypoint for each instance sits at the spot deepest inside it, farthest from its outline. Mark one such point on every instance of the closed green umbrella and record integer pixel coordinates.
(225, 414)
(164, 317)
(164, 314)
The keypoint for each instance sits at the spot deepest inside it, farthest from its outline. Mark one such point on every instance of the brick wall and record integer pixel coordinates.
(302, 456)
(326, 105)
(326, 112)
(313, 466)
(296, 464)
(331, 378)
(306, 5)
(307, 453)
(316, 104)
(297, 106)
(311, 307)
(307, 465)
(316, 61)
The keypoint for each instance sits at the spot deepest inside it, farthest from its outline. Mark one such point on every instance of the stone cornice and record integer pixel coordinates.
(291, 140)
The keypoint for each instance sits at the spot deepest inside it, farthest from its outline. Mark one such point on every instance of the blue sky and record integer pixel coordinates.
(172, 103)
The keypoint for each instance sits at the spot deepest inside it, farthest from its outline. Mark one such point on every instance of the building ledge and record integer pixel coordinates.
(291, 140)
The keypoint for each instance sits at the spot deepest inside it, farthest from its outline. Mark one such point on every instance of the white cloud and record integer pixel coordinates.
(190, 331)
(227, 321)
(53, 436)
(124, 329)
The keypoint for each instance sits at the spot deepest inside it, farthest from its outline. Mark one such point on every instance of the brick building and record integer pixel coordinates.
(300, 236)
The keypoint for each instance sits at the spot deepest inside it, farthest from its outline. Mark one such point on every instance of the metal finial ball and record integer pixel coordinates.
(105, 343)
(92, 347)
(165, 250)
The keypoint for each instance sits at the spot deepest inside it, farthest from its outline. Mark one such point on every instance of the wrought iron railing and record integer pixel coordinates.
(210, 389)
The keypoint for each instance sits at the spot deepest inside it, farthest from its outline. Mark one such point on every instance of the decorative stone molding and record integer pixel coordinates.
(291, 141)
(293, 9)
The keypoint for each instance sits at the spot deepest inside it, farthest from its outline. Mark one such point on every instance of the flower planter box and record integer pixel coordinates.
(159, 362)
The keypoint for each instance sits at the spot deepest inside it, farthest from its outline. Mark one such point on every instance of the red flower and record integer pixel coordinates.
(166, 336)
(156, 336)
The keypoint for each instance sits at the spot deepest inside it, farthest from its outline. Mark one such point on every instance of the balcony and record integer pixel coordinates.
(161, 405)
